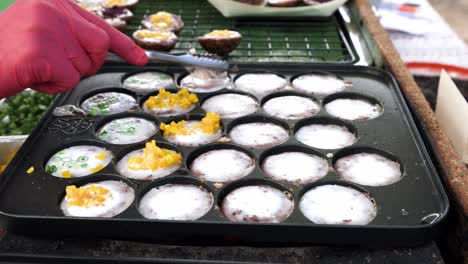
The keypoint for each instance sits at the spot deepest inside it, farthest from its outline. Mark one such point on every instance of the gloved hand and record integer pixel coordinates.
(48, 45)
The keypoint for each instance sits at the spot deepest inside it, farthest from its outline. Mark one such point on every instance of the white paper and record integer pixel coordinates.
(452, 114)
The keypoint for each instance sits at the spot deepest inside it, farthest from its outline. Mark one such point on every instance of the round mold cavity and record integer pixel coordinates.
(107, 119)
(334, 81)
(77, 162)
(221, 166)
(193, 191)
(179, 110)
(267, 140)
(257, 83)
(187, 141)
(146, 174)
(337, 203)
(357, 115)
(265, 191)
(389, 173)
(165, 84)
(280, 166)
(222, 84)
(312, 111)
(230, 104)
(341, 130)
(103, 112)
(128, 189)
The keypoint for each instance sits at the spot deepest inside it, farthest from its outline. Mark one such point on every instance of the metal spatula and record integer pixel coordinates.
(183, 59)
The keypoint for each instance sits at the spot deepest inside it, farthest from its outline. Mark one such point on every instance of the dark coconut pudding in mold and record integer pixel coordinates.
(166, 104)
(148, 81)
(98, 199)
(149, 163)
(127, 130)
(257, 203)
(176, 202)
(78, 161)
(222, 165)
(192, 133)
(337, 205)
(291, 107)
(108, 103)
(230, 105)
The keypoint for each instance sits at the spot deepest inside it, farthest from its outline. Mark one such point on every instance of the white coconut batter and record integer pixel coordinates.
(325, 136)
(117, 200)
(368, 169)
(204, 81)
(261, 203)
(318, 84)
(230, 105)
(176, 202)
(222, 165)
(127, 131)
(260, 84)
(148, 81)
(291, 107)
(335, 204)
(108, 103)
(353, 109)
(295, 167)
(258, 135)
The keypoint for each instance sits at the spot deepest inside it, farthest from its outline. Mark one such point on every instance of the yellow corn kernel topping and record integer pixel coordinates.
(30, 170)
(111, 3)
(101, 156)
(221, 33)
(165, 99)
(92, 195)
(154, 158)
(208, 125)
(66, 174)
(97, 168)
(162, 20)
(163, 35)
(8, 159)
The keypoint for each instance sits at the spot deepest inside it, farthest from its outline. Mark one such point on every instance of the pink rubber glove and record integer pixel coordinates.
(48, 45)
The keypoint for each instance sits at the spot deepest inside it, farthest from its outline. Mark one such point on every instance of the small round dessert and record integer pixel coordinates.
(108, 103)
(193, 133)
(176, 202)
(149, 81)
(337, 205)
(119, 3)
(368, 169)
(78, 161)
(260, 84)
(166, 104)
(258, 135)
(117, 12)
(98, 199)
(117, 23)
(155, 39)
(319, 84)
(230, 105)
(325, 136)
(353, 109)
(163, 21)
(291, 107)
(202, 80)
(149, 163)
(127, 130)
(283, 3)
(260, 204)
(295, 167)
(220, 42)
(222, 165)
